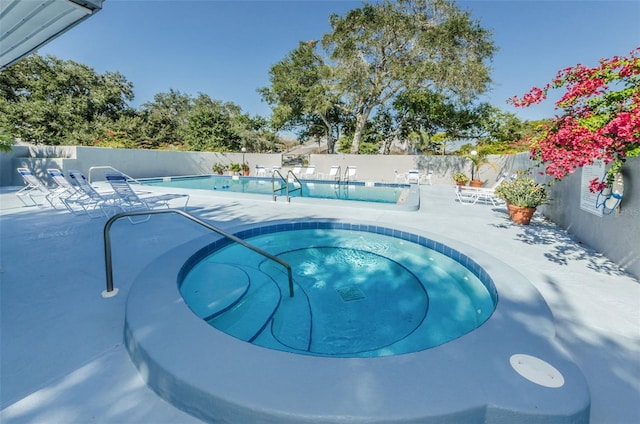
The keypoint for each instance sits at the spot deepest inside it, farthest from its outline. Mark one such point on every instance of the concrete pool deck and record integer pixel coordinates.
(62, 353)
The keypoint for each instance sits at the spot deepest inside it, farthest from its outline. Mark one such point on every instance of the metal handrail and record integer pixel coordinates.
(110, 291)
(338, 176)
(346, 175)
(113, 169)
(294, 180)
(273, 183)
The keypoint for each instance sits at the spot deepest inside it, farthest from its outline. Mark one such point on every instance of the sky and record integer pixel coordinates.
(225, 48)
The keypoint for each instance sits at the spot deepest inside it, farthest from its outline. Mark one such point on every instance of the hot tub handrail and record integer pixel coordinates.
(110, 291)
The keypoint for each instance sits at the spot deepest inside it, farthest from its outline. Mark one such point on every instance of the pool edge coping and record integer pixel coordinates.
(153, 361)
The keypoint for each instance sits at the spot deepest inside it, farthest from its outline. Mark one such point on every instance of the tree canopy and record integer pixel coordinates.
(376, 54)
(46, 100)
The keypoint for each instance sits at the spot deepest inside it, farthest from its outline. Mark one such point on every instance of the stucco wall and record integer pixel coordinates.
(617, 236)
(384, 168)
(136, 163)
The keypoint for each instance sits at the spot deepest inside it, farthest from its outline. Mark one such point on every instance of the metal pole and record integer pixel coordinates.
(111, 291)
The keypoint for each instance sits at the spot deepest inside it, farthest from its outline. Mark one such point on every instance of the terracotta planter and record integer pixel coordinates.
(520, 215)
(475, 183)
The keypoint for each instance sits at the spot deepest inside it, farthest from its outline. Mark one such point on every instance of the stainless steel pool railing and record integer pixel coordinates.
(277, 173)
(291, 177)
(111, 291)
(111, 168)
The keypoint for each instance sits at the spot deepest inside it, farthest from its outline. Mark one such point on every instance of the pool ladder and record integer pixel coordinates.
(111, 291)
(291, 177)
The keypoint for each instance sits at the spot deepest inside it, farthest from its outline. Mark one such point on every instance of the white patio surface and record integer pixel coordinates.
(62, 357)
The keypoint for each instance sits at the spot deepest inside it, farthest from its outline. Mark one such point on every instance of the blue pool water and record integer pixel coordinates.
(355, 190)
(357, 293)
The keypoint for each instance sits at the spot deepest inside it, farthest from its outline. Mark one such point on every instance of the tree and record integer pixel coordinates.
(379, 51)
(300, 98)
(164, 117)
(6, 142)
(51, 101)
(373, 55)
(209, 125)
(600, 120)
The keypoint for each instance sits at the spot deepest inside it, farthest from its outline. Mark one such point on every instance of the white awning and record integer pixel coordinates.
(26, 25)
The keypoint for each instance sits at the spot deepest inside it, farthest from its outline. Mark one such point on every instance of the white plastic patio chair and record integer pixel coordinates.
(260, 171)
(400, 177)
(427, 177)
(413, 176)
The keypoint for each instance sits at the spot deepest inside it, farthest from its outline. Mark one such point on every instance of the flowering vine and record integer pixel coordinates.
(600, 120)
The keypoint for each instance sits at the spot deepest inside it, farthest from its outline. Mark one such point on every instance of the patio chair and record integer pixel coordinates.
(333, 174)
(400, 177)
(427, 177)
(350, 173)
(87, 200)
(129, 200)
(296, 170)
(35, 187)
(310, 172)
(413, 176)
(472, 195)
(274, 169)
(64, 189)
(260, 171)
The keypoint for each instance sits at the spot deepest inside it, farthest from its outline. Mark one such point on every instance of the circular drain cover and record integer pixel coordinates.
(536, 370)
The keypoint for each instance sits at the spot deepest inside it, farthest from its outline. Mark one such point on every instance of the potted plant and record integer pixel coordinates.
(219, 168)
(522, 195)
(460, 178)
(245, 169)
(234, 168)
(478, 158)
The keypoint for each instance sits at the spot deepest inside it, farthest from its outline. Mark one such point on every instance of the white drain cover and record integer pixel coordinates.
(536, 370)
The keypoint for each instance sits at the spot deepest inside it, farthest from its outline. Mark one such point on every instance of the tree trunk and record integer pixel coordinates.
(361, 120)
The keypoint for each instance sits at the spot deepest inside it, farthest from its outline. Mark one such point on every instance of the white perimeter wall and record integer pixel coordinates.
(617, 236)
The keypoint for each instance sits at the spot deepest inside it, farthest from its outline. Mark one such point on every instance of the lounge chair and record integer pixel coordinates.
(129, 200)
(296, 170)
(334, 173)
(310, 172)
(87, 200)
(472, 195)
(350, 173)
(35, 187)
(64, 189)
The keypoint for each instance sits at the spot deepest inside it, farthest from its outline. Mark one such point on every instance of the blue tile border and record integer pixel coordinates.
(258, 229)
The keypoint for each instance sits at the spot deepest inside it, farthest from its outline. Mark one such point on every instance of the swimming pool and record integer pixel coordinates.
(358, 294)
(393, 195)
(510, 369)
